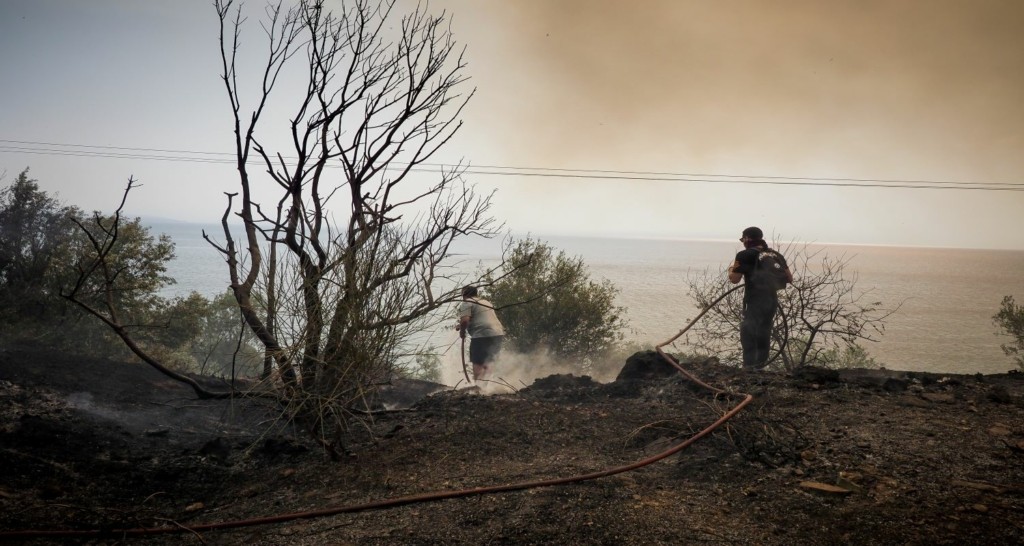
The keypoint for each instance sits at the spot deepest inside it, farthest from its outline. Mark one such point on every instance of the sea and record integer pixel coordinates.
(946, 297)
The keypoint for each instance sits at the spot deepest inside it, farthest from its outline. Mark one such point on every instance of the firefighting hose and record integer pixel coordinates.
(424, 497)
(465, 372)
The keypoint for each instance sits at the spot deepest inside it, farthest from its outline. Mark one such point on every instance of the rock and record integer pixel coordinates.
(281, 447)
(914, 402)
(559, 382)
(825, 488)
(894, 384)
(892, 381)
(849, 480)
(852, 476)
(939, 397)
(885, 485)
(953, 381)
(999, 394)
(646, 365)
(402, 393)
(999, 430)
(218, 449)
(814, 374)
(978, 486)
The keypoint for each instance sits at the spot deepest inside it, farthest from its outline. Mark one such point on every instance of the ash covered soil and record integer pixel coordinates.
(862, 457)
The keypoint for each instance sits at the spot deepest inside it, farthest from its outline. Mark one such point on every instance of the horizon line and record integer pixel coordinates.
(644, 237)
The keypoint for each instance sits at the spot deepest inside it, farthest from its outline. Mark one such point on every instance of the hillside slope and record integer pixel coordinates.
(819, 457)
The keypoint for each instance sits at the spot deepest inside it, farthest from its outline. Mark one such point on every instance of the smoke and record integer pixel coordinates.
(84, 402)
(513, 370)
(828, 88)
(520, 370)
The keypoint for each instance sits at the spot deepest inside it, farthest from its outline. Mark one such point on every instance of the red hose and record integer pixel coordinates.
(424, 497)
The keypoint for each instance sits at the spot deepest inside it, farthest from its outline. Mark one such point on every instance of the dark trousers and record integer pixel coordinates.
(756, 332)
(483, 350)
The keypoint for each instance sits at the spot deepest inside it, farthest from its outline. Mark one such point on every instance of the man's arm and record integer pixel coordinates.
(463, 325)
(735, 276)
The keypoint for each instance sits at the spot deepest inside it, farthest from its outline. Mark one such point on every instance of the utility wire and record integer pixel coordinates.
(197, 156)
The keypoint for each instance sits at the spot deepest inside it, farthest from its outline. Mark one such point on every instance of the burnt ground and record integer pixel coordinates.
(862, 457)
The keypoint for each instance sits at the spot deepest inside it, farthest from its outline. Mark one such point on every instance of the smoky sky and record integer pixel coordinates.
(828, 88)
(896, 89)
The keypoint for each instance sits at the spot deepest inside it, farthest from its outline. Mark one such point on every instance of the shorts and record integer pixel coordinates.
(484, 349)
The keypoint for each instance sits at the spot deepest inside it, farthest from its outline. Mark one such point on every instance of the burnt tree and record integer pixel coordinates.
(346, 228)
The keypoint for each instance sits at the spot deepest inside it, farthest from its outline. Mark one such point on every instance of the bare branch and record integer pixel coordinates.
(363, 255)
(822, 312)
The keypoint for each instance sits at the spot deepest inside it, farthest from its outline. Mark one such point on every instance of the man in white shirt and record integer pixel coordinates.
(477, 317)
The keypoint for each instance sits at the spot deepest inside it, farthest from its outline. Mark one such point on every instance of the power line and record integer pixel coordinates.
(779, 181)
(198, 156)
(764, 177)
(114, 147)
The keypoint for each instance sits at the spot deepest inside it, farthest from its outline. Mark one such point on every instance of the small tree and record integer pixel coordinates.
(40, 245)
(37, 234)
(425, 367)
(547, 301)
(1011, 319)
(207, 336)
(822, 316)
(119, 269)
(113, 266)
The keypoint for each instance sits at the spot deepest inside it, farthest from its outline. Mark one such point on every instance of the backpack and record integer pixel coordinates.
(770, 271)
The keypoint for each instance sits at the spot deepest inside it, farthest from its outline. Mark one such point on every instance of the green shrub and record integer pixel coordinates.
(1011, 319)
(834, 357)
(547, 302)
